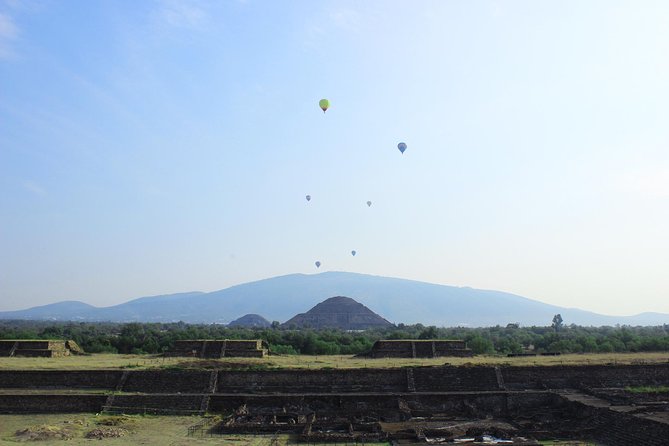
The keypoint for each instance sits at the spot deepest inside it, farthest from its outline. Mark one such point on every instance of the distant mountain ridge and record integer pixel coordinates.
(281, 298)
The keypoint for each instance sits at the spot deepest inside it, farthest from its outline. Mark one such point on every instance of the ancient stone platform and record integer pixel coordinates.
(419, 348)
(220, 348)
(402, 404)
(38, 348)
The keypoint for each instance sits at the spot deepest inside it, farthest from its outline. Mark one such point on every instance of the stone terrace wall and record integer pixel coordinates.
(36, 348)
(352, 405)
(419, 348)
(559, 377)
(419, 379)
(5, 348)
(621, 429)
(59, 379)
(453, 379)
(615, 428)
(187, 348)
(218, 348)
(301, 381)
(51, 403)
(156, 404)
(460, 349)
(392, 349)
(167, 381)
(500, 404)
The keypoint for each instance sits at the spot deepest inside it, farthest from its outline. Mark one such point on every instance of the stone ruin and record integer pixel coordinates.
(362, 421)
(612, 405)
(419, 348)
(220, 348)
(38, 348)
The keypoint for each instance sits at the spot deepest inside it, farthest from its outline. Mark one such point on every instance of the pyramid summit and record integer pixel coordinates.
(251, 321)
(338, 312)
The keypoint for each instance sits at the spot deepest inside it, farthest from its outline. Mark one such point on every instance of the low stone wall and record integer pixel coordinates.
(419, 379)
(166, 381)
(560, 377)
(31, 403)
(380, 405)
(301, 381)
(59, 379)
(219, 348)
(418, 348)
(620, 429)
(453, 379)
(156, 404)
(616, 428)
(391, 406)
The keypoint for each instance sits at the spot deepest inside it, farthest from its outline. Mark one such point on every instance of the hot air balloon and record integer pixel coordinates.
(402, 146)
(324, 104)
(318, 264)
(308, 197)
(353, 253)
(369, 203)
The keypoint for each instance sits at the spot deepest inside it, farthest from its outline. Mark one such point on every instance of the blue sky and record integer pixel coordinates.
(164, 146)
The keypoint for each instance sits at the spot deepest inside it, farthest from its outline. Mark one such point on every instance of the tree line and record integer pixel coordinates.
(144, 338)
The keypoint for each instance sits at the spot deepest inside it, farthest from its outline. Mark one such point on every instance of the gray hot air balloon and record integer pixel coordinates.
(318, 264)
(353, 253)
(308, 197)
(369, 203)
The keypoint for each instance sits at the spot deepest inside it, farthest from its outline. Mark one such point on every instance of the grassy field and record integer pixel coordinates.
(111, 361)
(135, 429)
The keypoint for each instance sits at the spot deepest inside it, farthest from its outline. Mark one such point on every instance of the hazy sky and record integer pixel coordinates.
(151, 147)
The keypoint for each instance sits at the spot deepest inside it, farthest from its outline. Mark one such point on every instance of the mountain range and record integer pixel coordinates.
(281, 298)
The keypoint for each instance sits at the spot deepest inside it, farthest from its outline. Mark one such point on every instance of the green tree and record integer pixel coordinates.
(480, 345)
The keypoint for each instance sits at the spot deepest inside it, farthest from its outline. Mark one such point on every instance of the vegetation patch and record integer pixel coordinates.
(157, 338)
(45, 432)
(115, 421)
(648, 389)
(101, 432)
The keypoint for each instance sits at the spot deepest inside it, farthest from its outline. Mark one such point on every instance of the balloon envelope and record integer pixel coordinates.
(402, 146)
(318, 264)
(369, 203)
(353, 253)
(324, 104)
(308, 197)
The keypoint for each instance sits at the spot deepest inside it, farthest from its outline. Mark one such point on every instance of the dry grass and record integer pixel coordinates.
(134, 429)
(110, 361)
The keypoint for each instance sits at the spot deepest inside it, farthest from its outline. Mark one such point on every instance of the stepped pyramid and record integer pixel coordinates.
(338, 312)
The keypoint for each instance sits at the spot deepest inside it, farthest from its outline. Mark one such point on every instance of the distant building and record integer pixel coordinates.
(419, 348)
(220, 348)
(38, 348)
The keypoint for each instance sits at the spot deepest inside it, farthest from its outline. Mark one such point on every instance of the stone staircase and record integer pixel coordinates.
(13, 349)
(411, 384)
